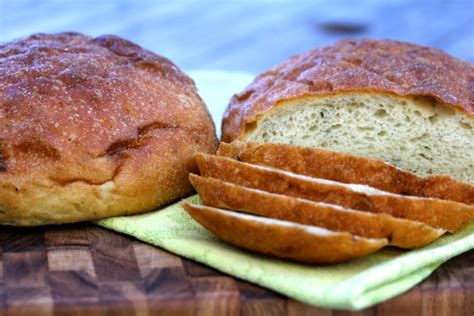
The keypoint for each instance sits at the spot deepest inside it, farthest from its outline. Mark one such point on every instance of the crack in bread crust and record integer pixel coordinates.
(3, 163)
(142, 137)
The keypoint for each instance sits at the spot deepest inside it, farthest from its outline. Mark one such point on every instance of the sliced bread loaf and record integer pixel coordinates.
(444, 214)
(399, 232)
(342, 167)
(405, 104)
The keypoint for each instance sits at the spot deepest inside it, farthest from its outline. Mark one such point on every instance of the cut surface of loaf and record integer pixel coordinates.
(399, 232)
(414, 134)
(343, 167)
(283, 239)
(444, 214)
(408, 105)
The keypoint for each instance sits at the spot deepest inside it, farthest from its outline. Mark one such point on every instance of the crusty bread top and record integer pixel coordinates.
(382, 66)
(87, 101)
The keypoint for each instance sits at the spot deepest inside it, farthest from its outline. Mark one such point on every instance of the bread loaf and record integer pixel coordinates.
(448, 215)
(399, 232)
(92, 128)
(346, 168)
(405, 104)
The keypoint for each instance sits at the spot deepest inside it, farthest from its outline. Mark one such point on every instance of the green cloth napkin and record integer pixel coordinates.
(354, 285)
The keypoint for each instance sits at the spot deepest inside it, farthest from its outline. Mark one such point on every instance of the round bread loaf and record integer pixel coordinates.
(92, 128)
(408, 105)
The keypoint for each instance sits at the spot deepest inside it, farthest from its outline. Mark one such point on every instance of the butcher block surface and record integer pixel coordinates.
(80, 268)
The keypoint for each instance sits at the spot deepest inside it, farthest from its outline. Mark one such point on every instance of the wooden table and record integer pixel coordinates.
(82, 268)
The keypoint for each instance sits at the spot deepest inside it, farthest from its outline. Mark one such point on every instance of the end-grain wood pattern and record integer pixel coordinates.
(82, 268)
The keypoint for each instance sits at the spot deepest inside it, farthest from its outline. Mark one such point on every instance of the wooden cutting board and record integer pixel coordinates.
(77, 269)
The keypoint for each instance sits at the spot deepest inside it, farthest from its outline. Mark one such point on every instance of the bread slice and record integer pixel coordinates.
(405, 104)
(282, 239)
(447, 215)
(399, 232)
(348, 168)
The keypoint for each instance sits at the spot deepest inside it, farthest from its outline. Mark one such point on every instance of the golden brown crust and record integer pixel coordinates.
(447, 215)
(399, 232)
(93, 127)
(281, 239)
(382, 66)
(347, 168)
